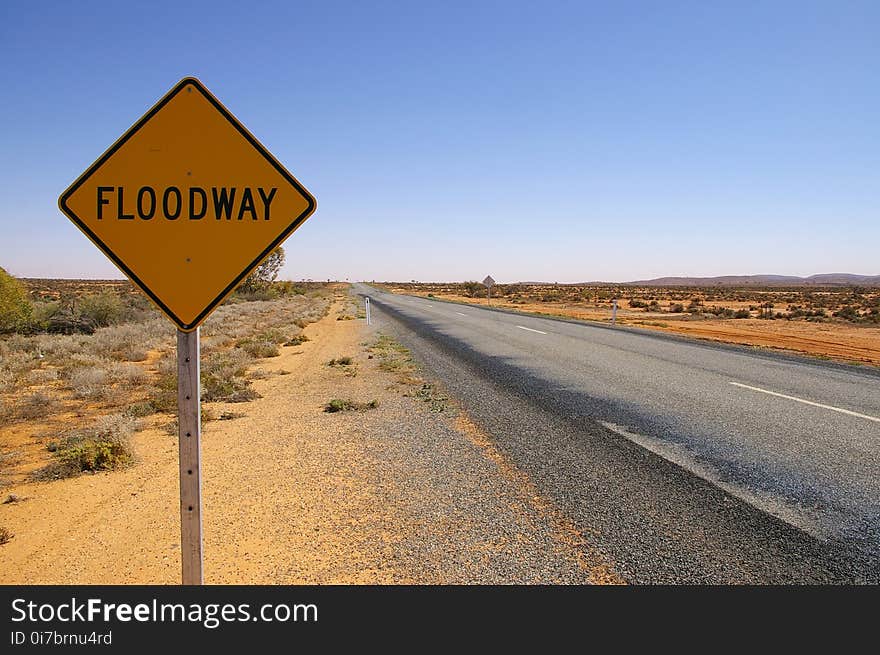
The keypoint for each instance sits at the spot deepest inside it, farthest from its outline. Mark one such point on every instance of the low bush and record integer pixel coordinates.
(298, 340)
(43, 314)
(35, 406)
(288, 288)
(256, 294)
(163, 396)
(101, 447)
(127, 374)
(258, 347)
(224, 377)
(848, 313)
(88, 383)
(5, 535)
(473, 289)
(7, 380)
(102, 309)
(42, 376)
(340, 405)
(140, 409)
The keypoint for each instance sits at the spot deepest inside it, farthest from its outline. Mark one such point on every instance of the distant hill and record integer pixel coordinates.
(823, 279)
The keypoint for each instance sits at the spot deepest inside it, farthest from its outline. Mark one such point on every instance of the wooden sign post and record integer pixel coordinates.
(189, 437)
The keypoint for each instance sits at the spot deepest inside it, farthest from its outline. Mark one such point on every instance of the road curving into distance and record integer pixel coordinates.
(683, 461)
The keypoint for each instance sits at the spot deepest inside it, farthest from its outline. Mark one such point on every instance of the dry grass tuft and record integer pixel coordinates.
(103, 446)
(340, 405)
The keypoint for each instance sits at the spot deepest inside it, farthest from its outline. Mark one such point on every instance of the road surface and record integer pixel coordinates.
(686, 461)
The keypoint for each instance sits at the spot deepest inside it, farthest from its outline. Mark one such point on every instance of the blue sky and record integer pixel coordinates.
(558, 141)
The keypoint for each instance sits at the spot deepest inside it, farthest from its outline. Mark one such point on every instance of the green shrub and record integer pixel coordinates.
(288, 288)
(140, 409)
(102, 447)
(163, 397)
(473, 289)
(65, 321)
(340, 405)
(264, 344)
(44, 313)
(260, 293)
(262, 277)
(298, 340)
(259, 348)
(336, 405)
(36, 405)
(848, 313)
(102, 309)
(224, 377)
(15, 308)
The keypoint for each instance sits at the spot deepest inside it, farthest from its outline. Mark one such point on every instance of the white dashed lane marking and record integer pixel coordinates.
(530, 329)
(808, 402)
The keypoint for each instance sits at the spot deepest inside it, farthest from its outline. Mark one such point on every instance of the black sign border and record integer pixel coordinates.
(299, 220)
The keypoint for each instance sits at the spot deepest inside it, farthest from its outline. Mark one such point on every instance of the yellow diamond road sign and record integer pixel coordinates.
(187, 203)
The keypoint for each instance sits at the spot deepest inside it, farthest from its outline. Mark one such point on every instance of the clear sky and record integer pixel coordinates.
(558, 141)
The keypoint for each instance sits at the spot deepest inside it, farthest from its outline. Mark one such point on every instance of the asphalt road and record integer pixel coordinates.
(684, 461)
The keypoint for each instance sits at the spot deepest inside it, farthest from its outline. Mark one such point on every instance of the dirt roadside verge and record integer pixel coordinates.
(399, 493)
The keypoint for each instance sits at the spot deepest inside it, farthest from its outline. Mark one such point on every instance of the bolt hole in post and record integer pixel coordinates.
(189, 442)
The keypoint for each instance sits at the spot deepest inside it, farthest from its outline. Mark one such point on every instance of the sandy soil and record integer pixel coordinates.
(837, 341)
(23, 443)
(292, 494)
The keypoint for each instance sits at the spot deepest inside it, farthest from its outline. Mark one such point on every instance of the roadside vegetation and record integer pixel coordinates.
(340, 405)
(85, 364)
(396, 358)
(852, 305)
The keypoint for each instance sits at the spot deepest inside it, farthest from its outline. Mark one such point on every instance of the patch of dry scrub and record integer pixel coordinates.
(128, 371)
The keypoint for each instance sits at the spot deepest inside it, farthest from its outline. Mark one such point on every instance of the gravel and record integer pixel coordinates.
(657, 522)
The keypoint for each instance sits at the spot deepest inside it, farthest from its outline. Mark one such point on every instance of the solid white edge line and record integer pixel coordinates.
(530, 329)
(808, 402)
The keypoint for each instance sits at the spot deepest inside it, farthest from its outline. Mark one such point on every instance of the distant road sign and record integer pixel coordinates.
(489, 282)
(187, 203)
